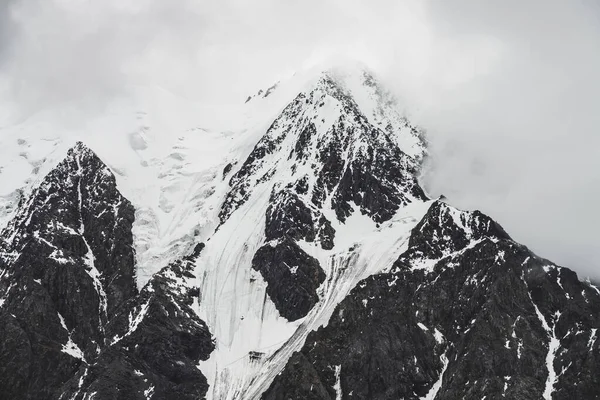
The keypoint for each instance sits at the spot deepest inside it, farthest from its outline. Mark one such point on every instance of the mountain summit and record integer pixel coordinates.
(296, 257)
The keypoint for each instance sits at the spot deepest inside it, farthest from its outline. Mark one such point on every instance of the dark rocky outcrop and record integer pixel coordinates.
(155, 342)
(68, 264)
(72, 321)
(445, 230)
(292, 277)
(288, 215)
(480, 320)
(379, 183)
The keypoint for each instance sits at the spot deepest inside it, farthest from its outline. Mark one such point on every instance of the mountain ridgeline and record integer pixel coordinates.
(72, 320)
(330, 275)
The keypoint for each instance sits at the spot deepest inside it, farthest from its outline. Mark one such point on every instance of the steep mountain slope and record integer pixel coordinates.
(66, 265)
(293, 257)
(465, 313)
(152, 345)
(69, 304)
(302, 215)
(305, 207)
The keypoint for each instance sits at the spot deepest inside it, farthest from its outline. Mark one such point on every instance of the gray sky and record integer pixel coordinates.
(508, 90)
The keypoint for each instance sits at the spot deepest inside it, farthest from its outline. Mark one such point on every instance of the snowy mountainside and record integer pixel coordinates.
(321, 179)
(164, 161)
(280, 250)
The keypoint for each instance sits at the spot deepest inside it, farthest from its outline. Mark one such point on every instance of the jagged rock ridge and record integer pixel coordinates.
(69, 305)
(67, 265)
(154, 343)
(465, 313)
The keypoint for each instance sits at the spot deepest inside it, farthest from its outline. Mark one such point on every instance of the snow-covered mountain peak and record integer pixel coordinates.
(168, 155)
(80, 182)
(319, 133)
(356, 81)
(81, 153)
(331, 175)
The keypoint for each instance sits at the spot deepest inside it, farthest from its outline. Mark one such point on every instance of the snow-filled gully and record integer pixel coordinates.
(553, 346)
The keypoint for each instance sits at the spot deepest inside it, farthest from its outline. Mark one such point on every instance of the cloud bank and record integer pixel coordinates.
(507, 90)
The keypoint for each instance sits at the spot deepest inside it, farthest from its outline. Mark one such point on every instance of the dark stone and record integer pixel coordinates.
(326, 233)
(292, 277)
(379, 182)
(331, 163)
(161, 352)
(270, 90)
(439, 233)
(309, 385)
(196, 252)
(73, 252)
(227, 169)
(288, 215)
(302, 144)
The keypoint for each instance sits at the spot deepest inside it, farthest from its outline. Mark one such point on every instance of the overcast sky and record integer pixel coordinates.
(508, 90)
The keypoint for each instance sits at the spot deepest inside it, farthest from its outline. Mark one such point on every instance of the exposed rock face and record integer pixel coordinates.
(68, 264)
(293, 277)
(466, 313)
(68, 291)
(154, 343)
(444, 231)
(288, 215)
